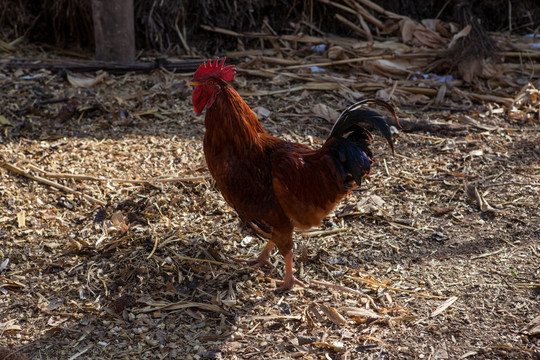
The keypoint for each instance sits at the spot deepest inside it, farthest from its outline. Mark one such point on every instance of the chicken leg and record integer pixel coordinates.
(289, 280)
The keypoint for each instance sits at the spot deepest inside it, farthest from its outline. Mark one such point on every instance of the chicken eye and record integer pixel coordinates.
(210, 82)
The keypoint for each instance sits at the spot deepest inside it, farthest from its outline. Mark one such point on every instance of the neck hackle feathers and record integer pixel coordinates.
(215, 69)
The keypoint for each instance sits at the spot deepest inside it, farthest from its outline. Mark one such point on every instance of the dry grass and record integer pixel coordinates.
(114, 241)
(409, 267)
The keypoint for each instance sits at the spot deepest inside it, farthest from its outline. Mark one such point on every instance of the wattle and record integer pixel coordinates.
(203, 96)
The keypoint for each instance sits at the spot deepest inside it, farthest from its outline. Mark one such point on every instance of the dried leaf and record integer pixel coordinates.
(437, 25)
(373, 204)
(315, 312)
(472, 68)
(476, 152)
(428, 37)
(389, 67)
(11, 284)
(55, 303)
(4, 121)
(118, 223)
(473, 194)
(261, 112)
(412, 30)
(325, 112)
(4, 325)
(533, 327)
(78, 80)
(4, 264)
(9, 327)
(333, 315)
(337, 346)
(360, 312)
(528, 95)
(321, 86)
(463, 33)
(67, 111)
(407, 27)
(444, 306)
(337, 53)
(526, 105)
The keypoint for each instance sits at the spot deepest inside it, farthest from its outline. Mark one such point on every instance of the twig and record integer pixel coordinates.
(154, 248)
(444, 306)
(410, 125)
(528, 285)
(339, 6)
(93, 65)
(82, 352)
(344, 61)
(293, 38)
(179, 33)
(129, 181)
(362, 12)
(509, 17)
(489, 98)
(297, 38)
(326, 232)
(352, 25)
(19, 171)
(379, 9)
(442, 8)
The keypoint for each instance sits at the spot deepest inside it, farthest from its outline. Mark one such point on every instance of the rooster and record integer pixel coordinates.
(276, 186)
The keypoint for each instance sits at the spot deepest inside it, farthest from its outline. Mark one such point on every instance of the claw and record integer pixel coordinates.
(289, 280)
(288, 284)
(263, 259)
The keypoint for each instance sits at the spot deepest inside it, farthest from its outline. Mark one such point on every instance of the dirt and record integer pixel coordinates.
(409, 267)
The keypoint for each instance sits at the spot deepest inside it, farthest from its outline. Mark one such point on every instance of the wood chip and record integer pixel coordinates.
(441, 308)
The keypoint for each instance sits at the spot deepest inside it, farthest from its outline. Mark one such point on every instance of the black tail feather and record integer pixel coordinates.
(352, 119)
(349, 139)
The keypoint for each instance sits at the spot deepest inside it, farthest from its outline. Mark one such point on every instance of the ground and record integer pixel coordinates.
(414, 265)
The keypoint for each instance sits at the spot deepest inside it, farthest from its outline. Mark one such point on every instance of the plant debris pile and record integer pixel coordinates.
(176, 25)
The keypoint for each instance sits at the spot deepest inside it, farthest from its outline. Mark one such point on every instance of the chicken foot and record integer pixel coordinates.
(263, 259)
(288, 280)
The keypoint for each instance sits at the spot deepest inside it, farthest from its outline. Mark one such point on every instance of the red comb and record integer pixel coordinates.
(215, 69)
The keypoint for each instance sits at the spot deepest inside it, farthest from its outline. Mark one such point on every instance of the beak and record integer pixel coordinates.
(194, 83)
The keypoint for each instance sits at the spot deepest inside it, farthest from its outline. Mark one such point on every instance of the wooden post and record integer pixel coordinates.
(114, 30)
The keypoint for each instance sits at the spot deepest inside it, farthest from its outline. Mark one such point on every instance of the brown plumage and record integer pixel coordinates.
(274, 185)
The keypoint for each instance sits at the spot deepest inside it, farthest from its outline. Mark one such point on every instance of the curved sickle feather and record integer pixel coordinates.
(368, 117)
